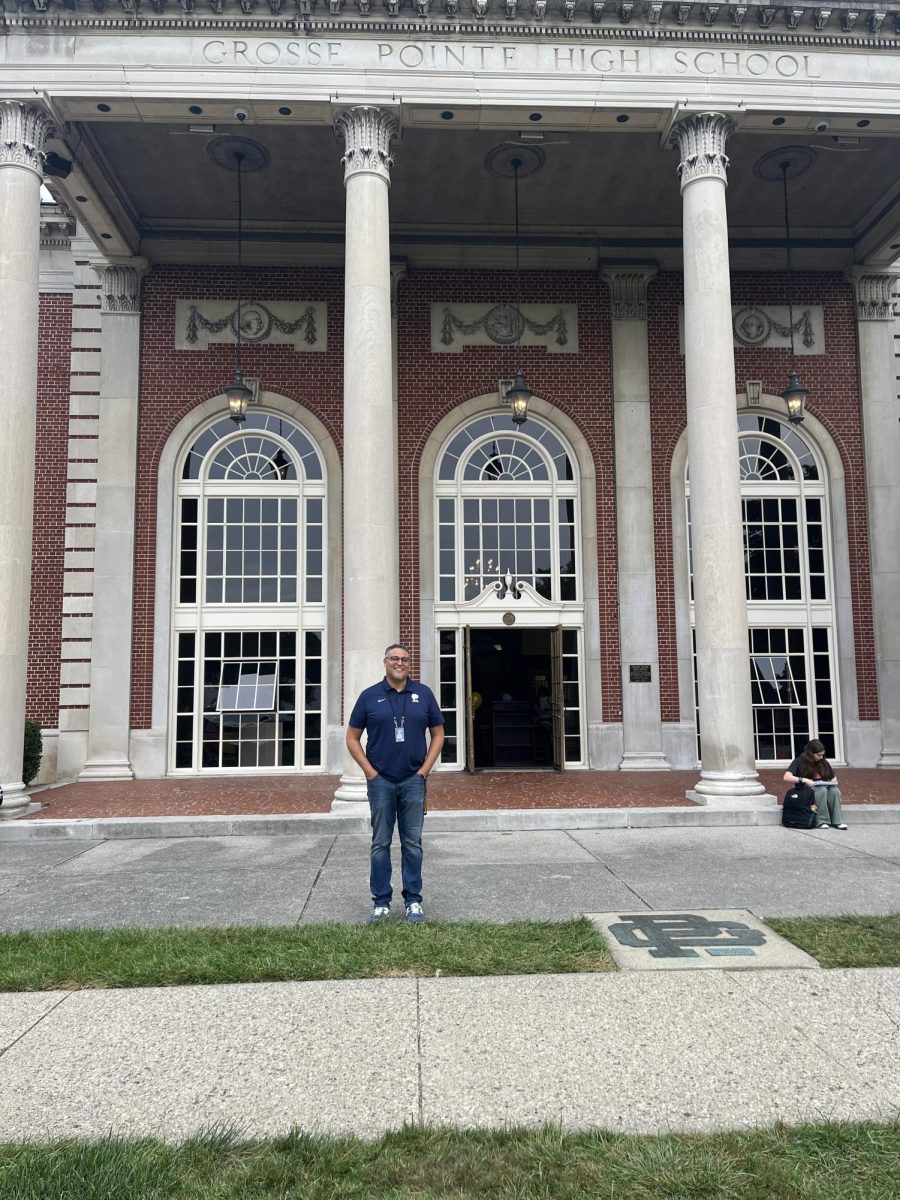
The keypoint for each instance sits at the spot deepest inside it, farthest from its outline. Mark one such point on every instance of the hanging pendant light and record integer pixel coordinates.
(237, 392)
(794, 395)
(520, 393)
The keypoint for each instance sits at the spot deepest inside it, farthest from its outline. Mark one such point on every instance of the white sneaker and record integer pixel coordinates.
(824, 825)
(380, 912)
(841, 826)
(415, 913)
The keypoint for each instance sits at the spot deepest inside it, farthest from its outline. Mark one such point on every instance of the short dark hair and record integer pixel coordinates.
(396, 646)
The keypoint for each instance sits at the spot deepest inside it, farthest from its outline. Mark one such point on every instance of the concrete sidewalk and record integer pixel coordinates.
(641, 1053)
(691, 1050)
(535, 874)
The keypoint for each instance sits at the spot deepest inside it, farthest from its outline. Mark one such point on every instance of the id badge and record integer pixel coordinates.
(399, 734)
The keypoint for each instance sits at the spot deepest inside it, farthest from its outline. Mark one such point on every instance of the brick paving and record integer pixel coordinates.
(487, 790)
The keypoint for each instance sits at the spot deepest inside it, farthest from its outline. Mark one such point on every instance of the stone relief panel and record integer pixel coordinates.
(198, 323)
(553, 326)
(768, 327)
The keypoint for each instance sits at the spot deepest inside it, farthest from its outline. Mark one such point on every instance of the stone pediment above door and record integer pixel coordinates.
(508, 598)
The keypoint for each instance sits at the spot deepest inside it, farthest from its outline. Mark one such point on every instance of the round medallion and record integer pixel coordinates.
(504, 324)
(509, 618)
(229, 153)
(752, 326)
(256, 323)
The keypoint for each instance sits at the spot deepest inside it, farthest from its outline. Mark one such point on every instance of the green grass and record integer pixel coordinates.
(815, 1162)
(844, 941)
(115, 958)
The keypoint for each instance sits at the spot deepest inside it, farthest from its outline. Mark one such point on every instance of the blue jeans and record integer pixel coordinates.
(404, 804)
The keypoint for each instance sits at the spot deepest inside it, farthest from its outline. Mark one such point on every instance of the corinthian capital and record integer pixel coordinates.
(873, 292)
(120, 285)
(367, 134)
(628, 291)
(24, 129)
(700, 140)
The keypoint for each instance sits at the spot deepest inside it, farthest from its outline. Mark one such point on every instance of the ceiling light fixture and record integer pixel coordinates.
(520, 393)
(237, 392)
(794, 395)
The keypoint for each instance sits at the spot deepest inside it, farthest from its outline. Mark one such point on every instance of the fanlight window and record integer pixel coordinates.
(506, 504)
(253, 455)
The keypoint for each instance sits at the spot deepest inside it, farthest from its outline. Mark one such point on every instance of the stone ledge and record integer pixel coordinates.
(465, 821)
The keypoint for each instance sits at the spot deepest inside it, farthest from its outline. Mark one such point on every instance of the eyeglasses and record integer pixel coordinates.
(400, 662)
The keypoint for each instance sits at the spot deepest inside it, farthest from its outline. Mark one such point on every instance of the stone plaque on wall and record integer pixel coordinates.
(199, 323)
(768, 327)
(553, 326)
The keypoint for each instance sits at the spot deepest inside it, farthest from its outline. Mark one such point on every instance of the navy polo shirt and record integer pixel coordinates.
(381, 710)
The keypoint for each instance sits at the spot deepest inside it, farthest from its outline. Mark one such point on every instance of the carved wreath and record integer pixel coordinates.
(753, 327)
(504, 324)
(257, 323)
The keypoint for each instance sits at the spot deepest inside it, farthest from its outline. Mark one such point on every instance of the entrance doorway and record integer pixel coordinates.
(511, 699)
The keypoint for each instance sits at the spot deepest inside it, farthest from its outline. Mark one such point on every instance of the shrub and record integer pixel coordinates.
(34, 746)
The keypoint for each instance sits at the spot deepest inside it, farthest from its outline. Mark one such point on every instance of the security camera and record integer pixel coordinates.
(822, 126)
(241, 114)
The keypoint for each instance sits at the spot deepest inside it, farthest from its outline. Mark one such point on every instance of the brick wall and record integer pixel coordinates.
(174, 382)
(832, 381)
(432, 385)
(54, 342)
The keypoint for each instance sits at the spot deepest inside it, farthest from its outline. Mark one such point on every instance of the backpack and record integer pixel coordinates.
(798, 811)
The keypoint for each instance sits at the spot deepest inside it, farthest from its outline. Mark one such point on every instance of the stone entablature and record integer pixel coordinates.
(499, 18)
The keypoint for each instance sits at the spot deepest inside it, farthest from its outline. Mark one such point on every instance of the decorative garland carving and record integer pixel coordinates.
(257, 323)
(504, 324)
(700, 140)
(24, 129)
(367, 134)
(753, 326)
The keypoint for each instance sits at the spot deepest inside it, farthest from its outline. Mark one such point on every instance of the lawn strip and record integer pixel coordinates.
(844, 941)
(120, 958)
(814, 1162)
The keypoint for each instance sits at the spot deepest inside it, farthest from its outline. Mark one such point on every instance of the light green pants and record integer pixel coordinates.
(828, 805)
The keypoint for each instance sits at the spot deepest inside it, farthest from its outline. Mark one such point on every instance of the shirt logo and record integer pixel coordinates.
(382, 700)
(415, 697)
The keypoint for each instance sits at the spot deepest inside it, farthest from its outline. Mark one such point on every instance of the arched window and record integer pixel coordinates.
(790, 592)
(506, 503)
(249, 598)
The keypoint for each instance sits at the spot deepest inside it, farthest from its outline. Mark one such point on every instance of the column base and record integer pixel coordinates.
(644, 762)
(352, 790)
(889, 759)
(106, 768)
(733, 787)
(15, 799)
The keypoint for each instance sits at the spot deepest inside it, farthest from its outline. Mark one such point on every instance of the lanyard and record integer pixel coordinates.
(401, 696)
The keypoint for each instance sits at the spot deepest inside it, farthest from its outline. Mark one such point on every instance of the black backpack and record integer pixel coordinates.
(798, 811)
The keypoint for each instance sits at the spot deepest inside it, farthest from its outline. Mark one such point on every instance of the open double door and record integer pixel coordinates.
(514, 698)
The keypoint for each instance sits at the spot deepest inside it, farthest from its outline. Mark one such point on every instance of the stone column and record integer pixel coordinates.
(723, 674)
(878, 391)
(23, 131)
(371, 536)
(638, 630)
(110, 707)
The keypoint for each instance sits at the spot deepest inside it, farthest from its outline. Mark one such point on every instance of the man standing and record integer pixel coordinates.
(395, 713)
